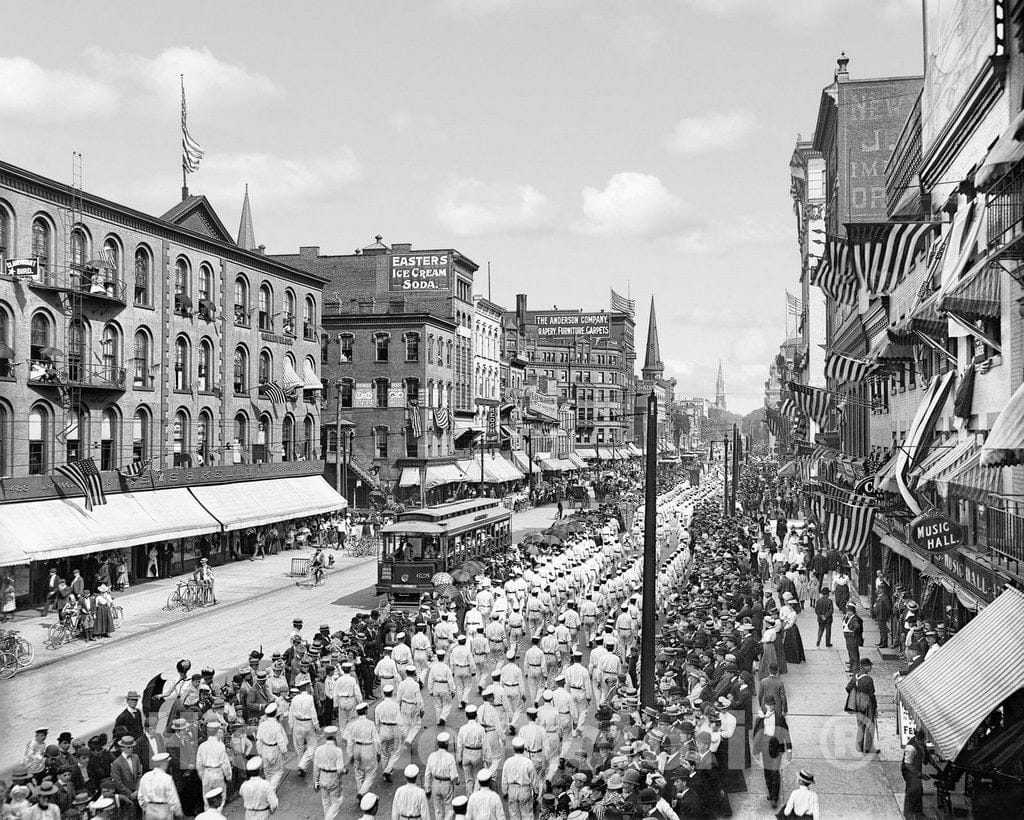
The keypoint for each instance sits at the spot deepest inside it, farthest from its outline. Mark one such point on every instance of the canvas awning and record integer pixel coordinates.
(978, 296)
(605, 453)
(437, 475)
(255, 503)
(310, 381)
(634, 450)
(60, 527)
(552, 465)
(1003, 156)
(948, 461)
(1004, 446)
(788, 469)
(573, 458)
(975, 482)
(959, 683)
(919, 436)
(522, 462)
(291, 379)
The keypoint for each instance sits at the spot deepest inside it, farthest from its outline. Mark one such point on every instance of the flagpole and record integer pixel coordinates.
(184, 182)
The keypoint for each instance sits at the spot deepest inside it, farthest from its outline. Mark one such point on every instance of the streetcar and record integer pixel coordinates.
(423, 542)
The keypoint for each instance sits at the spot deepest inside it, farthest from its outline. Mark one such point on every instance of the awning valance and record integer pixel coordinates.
(255, 503)
(975, 482)
(58, 527)
(522, 462)
(978, 296)
(1004, 446)
(291, 379)
(959, 683)
(437, 475)
(310, 381)
(1003, 156)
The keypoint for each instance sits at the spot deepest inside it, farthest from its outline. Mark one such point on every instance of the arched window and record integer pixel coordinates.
(288, 438)
(347, 386)
(140, 434)
(182, 364)
(289, 313)
(6, 437)
(41, 239)
(240, 378)
(241, 434)
(79, 248)
(182, 287)
(266, 307)
(206, 290)
(241, 302)
(143, 267)
(78, 350)
(5, 235)
(266, 367)
(264, 439)
(77, 436)
(204, 436)
(180, 436)
(380, 442)
(142, 376)
(112, 256)
(308, 427)
(309, 318)
(206, 365)
(412, 347)
(110, 354)
(6, 341)
(110, 428)
(40, 434)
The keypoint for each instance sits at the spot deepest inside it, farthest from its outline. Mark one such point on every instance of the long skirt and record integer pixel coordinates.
(780, 651)
(769, 655)
(104, 620)
(794, 646)
(842, 597)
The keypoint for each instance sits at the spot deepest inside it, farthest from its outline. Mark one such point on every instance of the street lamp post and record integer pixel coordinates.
(529, 459)
(483, 446)
(650, 557)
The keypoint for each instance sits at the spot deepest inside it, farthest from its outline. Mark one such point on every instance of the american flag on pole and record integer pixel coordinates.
(412, 414)
(847, 525)
(274, 392)
(793, 304)
(845, 369)
(835, 273)
(135, 469)
(191, 153)
(84, 475)
(620, 304)
(883, 253)
(813, 401)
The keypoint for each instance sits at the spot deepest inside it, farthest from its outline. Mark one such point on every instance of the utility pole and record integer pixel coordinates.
(337, 441)
(482, 448)
(529, 459)
(725, 474)
(647, 650)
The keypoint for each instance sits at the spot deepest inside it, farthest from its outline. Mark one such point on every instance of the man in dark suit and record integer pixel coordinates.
(853, 634)
(127, 769)
(53, 585)
(151, 743)
(131, 717)
(773, 687)
(824, 609)
(77, 582)
(771, 740)
(861, 700)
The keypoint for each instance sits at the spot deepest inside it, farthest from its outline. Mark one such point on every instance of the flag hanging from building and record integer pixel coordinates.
(884, 253)
(191, 153)
(84, 475)
(835, 273)
(620, 304)
(793, 304)
(135, 469)
(813, 401)
(847, 370)
(847, 526)
(788, 408)
(412, 414)
(776, 424)
(274, 392)
(442, 418)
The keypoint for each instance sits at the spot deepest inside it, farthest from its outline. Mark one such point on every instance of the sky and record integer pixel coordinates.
(575, 145)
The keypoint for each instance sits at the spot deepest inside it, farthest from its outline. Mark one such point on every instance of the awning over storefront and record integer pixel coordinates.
(576, 461)
(1006, 153)
(587, 452)
(437, 475)
(1004, 446)
(522, 462)
(978, 296)
(566, 464)
(634, 450)
(605, 453)
(254, 503)
(959, 683)
(552, 465)
(465, 432)
(788, 469)
(975, 482)
(58, 528)
(496, 469)
(948, 460)
(291, 379)
(919, 436)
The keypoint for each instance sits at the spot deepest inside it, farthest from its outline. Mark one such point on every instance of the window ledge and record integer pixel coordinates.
(142, 306)
(143, 388)
(182, 392)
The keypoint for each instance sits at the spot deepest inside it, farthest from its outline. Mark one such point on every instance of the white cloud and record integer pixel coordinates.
(30, 92)
(208, 80)
(470, 207)
(718, 238)
(631, 204)
(710, 132)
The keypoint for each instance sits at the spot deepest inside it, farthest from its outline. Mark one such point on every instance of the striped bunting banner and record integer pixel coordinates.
(813, 401)
(835, 273)
(776, 424)
(883, 253)
(847, 526)
(845, 369)
(788, 408)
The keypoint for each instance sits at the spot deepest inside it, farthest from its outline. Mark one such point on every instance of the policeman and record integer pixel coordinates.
(328, 767)
(387, 716)
(363, 746)
(441, 688)
(440, 777)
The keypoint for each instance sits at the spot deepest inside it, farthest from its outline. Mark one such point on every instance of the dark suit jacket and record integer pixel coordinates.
(77, 586)
(776, 688)
(126, 781)
(132, 722)
(145, 753)
(774, 745)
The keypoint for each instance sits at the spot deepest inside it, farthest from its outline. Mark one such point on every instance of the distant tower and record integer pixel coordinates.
(720, 388)
(246, 235)
(653, 367)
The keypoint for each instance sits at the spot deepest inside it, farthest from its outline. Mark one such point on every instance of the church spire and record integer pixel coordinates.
(246, 235)
(720, 388)
(653, 367)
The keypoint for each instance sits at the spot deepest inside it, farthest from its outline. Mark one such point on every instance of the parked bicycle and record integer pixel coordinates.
(22, 649)
(8, 665)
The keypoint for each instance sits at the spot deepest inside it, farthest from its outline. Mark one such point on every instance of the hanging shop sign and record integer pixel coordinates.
(561, 324)
(936, 534)
(426, 271)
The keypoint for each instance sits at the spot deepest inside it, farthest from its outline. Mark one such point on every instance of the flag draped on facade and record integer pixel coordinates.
(845, 369)
(191, 153)
(883, 253)
(84, 475)
(776, 424)
(620, 304)
(135, 469)
(847, 526)
(274, 392)
(835, 273)
(813, 401)
(442, 418)
(412, 415)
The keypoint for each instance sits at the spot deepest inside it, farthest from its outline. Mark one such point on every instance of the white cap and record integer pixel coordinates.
(368, 802)
(412, 771)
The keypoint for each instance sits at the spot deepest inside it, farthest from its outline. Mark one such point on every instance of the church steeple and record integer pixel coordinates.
(246, 234)
(720, 388)
(653, 367)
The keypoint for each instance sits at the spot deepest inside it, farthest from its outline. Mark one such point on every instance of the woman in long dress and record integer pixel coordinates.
(122, 573)
(104, 618)
(794, 645)
(769, 655)
(8, 598)
(841, 584)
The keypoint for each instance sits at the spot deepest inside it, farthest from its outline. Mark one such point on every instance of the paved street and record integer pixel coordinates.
(80, 688)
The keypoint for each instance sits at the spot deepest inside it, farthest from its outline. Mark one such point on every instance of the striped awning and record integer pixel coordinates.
(948, 460)
(975, 482)
(978, 296)
(1003, 156)
(586, 452)
(891, 347)
(522, 461)
(788, 469)
(1004, 446)
(885, 479)
(959, 683)
(576, 461)
(291, 378)
(919, 436)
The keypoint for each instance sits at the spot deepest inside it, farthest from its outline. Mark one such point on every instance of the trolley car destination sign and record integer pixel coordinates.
(936, 533)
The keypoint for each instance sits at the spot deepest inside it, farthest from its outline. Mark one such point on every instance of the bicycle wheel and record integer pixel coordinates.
(117, 613)
(53, 635)
(25, 652)
(173, 601)
(8, 665)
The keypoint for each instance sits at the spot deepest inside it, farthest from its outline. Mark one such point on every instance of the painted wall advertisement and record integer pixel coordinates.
(363, 395)
(424, 271)
(558, 324)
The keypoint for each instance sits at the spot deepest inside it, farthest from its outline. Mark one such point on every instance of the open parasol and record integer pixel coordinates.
(461, 576)
(533, 538)
(474, 567)
(441, 579)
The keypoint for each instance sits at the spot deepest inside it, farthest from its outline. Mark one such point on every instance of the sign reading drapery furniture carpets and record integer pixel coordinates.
(936, 533)
(564, 324)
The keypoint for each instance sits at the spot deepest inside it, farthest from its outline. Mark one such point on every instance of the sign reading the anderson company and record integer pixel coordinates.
(936, 533)
(426, 271)
(567, 324)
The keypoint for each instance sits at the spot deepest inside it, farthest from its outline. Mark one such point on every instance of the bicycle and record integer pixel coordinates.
(117, 614)
(8, 665)
(24, 652)
(62, 632)
(181, 595)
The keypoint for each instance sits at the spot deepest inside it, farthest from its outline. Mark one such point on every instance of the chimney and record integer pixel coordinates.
(309, 251)
(262, 250)
(841, 72)
(521, 313)
(401, 247)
